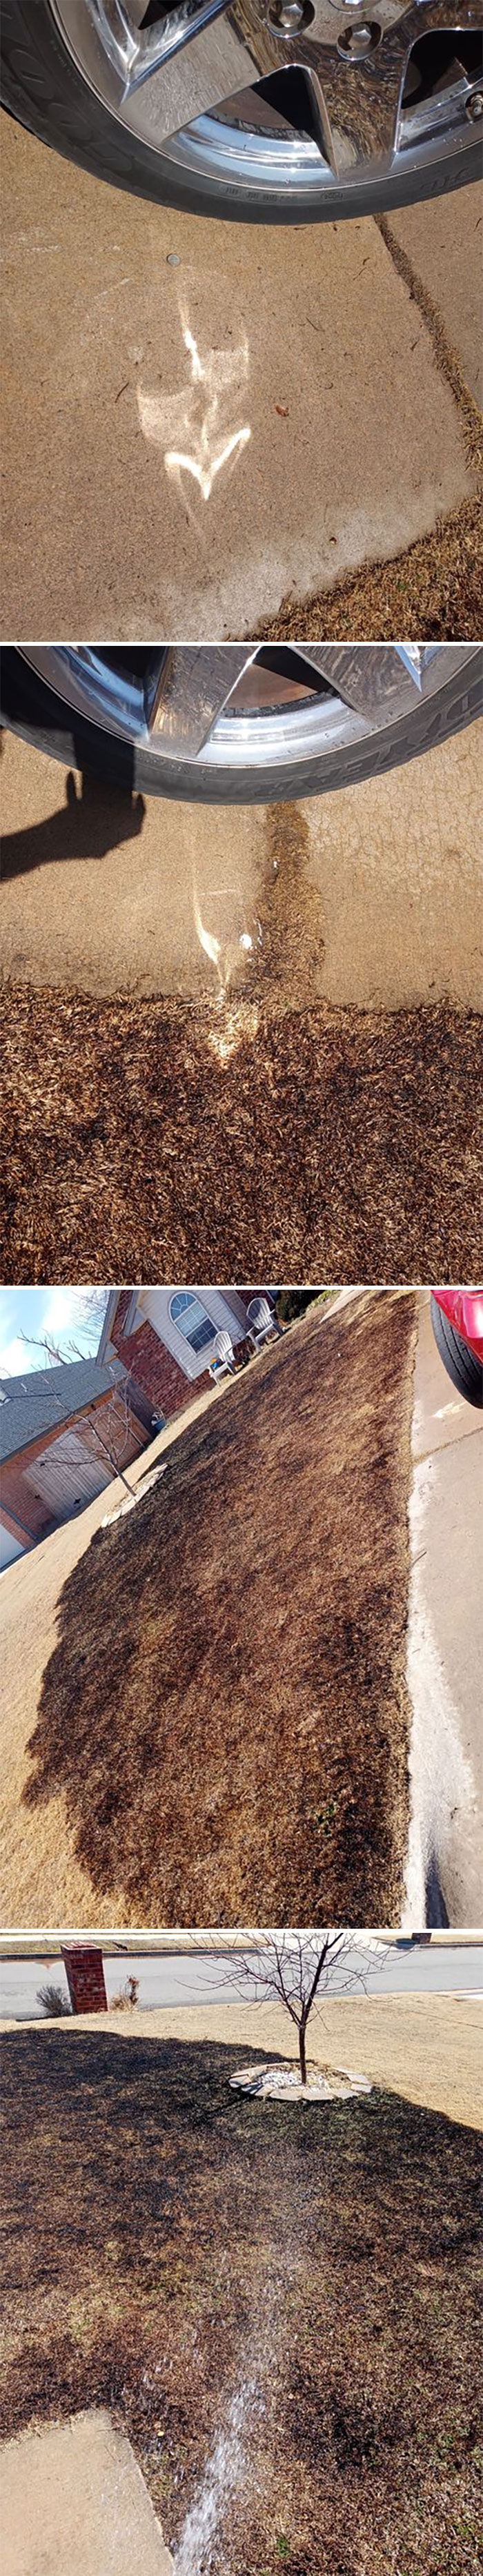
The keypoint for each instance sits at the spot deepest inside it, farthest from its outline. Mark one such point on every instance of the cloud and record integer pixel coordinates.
(14, 1358)
(63, 1321)
(64, 1314)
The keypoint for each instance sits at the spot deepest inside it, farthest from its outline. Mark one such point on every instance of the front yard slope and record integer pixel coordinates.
(226, 1706)
(280, 2307)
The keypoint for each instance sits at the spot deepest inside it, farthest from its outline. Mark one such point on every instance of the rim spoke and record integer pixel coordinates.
(190, 61)
(357, 100)
(371, 678)
(184, 701)
(175, 699)
(202, 55)
(205, 51)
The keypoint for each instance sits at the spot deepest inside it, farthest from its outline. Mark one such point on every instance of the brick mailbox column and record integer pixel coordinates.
(84, 1970)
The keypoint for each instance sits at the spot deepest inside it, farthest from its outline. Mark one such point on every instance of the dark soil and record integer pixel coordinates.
(168, 2246)
(226, 1708)
(148, 1140)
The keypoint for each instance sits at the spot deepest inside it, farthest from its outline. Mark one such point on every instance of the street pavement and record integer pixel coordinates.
(180, 1979)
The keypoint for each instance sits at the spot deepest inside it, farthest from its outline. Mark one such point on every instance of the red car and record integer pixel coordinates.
(457, 1319)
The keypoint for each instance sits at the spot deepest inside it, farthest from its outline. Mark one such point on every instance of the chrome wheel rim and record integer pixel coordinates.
(347, 98)
(238, 707)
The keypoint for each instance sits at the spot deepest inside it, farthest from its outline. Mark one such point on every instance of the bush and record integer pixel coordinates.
(127, 1997)
(292, 1302)
(54, 2002)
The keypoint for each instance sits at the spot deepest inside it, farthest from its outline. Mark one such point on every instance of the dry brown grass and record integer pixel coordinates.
(149, 1140)
(433, 589)
(226, 1709)
(166, 2244)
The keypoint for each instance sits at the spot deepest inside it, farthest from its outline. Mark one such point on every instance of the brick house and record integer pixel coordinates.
(166, 1337)
(62, 1430)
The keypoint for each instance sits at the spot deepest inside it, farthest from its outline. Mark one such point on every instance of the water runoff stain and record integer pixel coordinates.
(291, 943)
(223, 2478)
(275, 957)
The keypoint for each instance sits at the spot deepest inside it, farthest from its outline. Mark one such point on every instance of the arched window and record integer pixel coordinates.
(191, 1318)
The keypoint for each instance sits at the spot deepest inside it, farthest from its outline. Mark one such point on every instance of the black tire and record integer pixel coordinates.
(29, 708)
(462, 1367)
(41, 86)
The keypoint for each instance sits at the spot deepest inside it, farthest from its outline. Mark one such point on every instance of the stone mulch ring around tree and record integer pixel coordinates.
(282, 2083)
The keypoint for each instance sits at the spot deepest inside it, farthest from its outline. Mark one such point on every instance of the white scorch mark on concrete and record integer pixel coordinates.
(195, 426)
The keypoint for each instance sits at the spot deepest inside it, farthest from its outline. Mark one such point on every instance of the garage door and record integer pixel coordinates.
(66, 1475)
(9, 1547)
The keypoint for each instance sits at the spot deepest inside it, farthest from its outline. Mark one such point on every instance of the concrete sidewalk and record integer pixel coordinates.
(444, 1876)
(316, 368)
(74, 2499)
(369, 898)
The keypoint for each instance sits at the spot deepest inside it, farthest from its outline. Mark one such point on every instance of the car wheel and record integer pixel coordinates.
(238, 724)
(464, 1369)
(286, 110)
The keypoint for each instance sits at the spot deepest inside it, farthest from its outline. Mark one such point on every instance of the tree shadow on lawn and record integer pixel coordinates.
(169, 2244)
(226, 1708)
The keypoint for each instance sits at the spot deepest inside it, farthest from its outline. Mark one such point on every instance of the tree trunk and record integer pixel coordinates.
(302, 2056)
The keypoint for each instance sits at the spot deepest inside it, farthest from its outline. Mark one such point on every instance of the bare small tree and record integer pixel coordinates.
(297, 1969)
(111, 1429)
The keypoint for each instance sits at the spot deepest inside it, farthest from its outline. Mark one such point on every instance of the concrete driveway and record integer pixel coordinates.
(444, 1877)
(317, 384)
(370, 898)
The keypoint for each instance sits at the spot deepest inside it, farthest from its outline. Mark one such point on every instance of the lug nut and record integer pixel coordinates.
(474, 105)
(288, 17)
(357, 41)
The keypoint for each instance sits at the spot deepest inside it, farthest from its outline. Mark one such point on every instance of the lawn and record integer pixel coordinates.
(226, 1708)
(156, 1139)
(299, 2288)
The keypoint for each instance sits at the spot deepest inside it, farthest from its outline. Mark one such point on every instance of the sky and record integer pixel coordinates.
(62, 1313)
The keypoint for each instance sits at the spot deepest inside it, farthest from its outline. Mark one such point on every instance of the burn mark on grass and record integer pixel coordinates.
(235, 1746)
(291, 945)
(339, 1145)
(157, 2229)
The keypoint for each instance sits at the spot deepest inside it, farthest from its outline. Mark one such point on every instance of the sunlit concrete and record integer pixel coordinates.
(371, 896)
(443, 240)
(73, 2497)
(444, 1877)
(201, 418)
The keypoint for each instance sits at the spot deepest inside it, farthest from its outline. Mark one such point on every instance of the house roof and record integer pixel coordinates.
(42, 1398)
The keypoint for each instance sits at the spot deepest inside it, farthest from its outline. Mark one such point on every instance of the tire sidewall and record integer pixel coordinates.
(461, 1364)
(56, 104)
(32, 710)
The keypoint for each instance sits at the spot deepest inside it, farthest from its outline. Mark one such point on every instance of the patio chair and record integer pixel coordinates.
(223, 1361)
(261, 1321)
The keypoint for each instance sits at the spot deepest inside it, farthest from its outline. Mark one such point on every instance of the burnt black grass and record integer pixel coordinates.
(226, 1706)
(166, 2240)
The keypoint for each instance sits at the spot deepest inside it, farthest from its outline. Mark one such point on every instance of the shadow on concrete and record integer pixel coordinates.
(436, 1912)
(94, 819)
